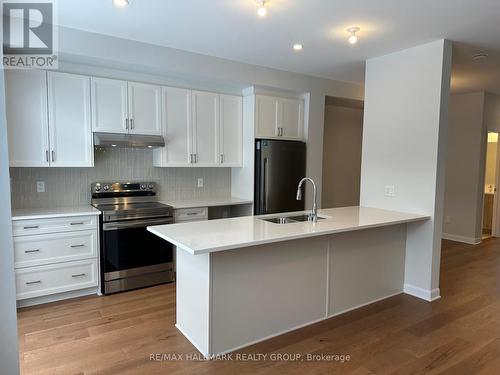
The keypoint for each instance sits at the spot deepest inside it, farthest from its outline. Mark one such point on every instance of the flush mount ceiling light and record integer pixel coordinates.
(261, 10)
(480, 56)
(298, 47)
(353, 37)
(121, 3)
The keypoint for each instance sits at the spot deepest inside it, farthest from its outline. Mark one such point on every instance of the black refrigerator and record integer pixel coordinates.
(279, 167)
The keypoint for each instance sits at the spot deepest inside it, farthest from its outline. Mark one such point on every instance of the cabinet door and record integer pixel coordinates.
(109, 105)
(230, 131)
(176, 128)
(27, 121)
(291, 118)
(144, 108)
(70, 129)
(266, 116)
(205, 128)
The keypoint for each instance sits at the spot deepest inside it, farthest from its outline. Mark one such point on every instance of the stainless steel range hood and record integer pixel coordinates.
(128, 140)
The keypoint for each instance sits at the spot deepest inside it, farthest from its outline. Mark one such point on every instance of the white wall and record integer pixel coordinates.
(465, 168)
(205, 72)
(342, 141)
(9, 357)
(404, 144)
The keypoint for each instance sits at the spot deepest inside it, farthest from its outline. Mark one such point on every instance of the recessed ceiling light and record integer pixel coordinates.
(113, 145)
(262, 10)
(121, 3)
(353, 38)
(480, 56)
(298, 47)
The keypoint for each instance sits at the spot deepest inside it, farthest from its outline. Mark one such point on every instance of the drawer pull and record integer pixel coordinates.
(80, 245)
(191, 213)
(79, 223)
(79, 275)
(33, 282)
(32, 251)
(31, 227)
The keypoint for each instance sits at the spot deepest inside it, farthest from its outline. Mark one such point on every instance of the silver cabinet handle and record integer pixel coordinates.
(221, 158)
(32, 251)
(191, 158)
(79, 245)
(79, 275)
(196, 158)
(33, 282)
(191, 213)
(53, 155)
(47, 155)
(126, 123)
(131, 123)
(78, 223)
(31, 227)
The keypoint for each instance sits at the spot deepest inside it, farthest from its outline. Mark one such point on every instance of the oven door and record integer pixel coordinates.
(128, 249)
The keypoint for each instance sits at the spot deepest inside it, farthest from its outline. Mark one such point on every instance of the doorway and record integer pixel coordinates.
(490, 187)
(342, 143)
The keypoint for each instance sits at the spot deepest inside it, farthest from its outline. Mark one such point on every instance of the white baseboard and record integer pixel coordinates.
(463, 239)
(57, 297)
(425, 294)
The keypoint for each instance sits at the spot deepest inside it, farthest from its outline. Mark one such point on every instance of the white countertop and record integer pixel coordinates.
(216, 235)
(47, 213)
(207, 202)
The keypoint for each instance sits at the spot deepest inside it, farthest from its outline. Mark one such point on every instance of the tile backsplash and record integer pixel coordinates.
(71, 186)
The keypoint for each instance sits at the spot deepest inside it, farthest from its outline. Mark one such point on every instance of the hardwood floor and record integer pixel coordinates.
(458, 334)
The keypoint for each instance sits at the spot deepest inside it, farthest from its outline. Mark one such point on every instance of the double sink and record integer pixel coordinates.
(291, 219)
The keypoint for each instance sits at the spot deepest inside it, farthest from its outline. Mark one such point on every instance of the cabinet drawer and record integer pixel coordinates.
(55, 225)
(56, 278)
(191, 214)
(52, 248)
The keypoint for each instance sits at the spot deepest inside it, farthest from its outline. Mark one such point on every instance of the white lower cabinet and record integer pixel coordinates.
(55, 255)
(56, 278)
(55, 247)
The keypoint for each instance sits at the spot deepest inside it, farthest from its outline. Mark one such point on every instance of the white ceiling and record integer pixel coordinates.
(231, 29)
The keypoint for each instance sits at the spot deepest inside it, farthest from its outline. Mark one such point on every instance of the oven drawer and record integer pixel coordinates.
(54, 225)
(191, 214)
(56, 278)
(53, 248)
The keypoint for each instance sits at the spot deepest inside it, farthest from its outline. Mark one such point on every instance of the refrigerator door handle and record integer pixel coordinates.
(265, 189)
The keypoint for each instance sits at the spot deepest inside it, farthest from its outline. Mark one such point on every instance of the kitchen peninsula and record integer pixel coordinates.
(243, 280)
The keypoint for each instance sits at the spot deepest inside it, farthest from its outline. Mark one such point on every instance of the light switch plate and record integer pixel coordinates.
(389, 191)
(200, 182)
(40, 186)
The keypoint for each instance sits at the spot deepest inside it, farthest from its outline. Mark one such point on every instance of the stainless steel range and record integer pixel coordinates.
(132, 257)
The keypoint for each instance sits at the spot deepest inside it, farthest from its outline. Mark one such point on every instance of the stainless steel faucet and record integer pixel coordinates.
(313, 216)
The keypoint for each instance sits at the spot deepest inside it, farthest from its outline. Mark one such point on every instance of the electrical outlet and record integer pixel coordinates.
(389, 191)
(40, 186)
(200, 182)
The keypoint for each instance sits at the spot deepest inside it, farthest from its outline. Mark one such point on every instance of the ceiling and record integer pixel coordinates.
(231, 29)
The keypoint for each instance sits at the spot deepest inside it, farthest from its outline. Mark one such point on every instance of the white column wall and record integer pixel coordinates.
(404, 141)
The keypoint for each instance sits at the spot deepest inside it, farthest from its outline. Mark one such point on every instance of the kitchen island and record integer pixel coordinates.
(244, 280)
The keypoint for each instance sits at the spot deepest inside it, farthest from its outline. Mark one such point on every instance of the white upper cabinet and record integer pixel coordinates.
(279, 118)
(176, 129)
(266, 116)
(291, 118)
(201, 129)
(230, 132)
(71, 143)
(144, 108)
(27, 121)
(125, 107)
(205, 107)
(48, 118)
(109, 105)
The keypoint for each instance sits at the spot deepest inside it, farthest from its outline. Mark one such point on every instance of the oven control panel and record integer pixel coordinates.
(123, 187)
